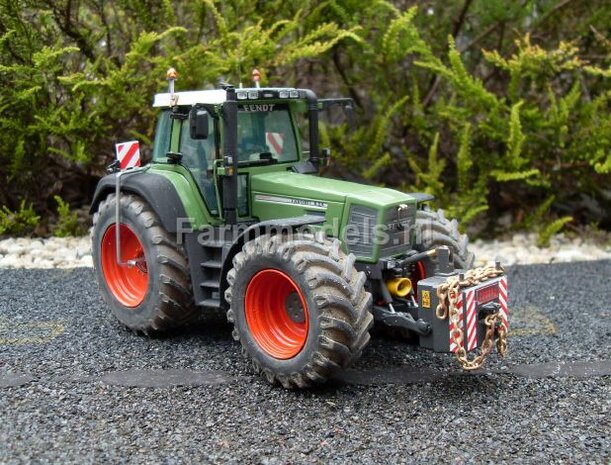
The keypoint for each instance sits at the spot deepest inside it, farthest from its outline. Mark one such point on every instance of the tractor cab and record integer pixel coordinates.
(225, 136)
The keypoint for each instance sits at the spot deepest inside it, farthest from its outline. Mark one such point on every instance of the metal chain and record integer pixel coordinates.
(450, 292)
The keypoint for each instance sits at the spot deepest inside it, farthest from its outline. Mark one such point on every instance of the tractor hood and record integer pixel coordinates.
(308, 186)
(285, 193)
(349, 208)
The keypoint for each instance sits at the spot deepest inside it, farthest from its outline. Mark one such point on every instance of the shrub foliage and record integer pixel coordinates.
(495, 107)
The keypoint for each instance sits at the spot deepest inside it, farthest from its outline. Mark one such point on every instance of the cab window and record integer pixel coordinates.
(162, 136)
(198, 156)
(265, 131)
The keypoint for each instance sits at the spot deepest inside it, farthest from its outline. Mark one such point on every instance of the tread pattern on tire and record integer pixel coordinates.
(174, 306)
(343, 304)
(434, 229)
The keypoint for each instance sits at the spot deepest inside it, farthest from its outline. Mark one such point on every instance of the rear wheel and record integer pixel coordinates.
(299, 308)
(150, 291)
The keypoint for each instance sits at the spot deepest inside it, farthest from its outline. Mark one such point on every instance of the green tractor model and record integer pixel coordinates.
(232, 214)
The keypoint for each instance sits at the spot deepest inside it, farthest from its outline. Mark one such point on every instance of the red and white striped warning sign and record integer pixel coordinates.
(459, 307)
(503, 293)
(467, 311)
(128, 154)
(466, 304)
(275, 141)
(471, 337)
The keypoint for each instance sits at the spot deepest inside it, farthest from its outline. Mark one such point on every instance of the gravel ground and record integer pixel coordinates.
(71, 252)
(76, 387)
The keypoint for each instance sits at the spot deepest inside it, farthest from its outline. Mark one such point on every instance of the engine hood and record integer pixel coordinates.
(284, 194)
(304, 187)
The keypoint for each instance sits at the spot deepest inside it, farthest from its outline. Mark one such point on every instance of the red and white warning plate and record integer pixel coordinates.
(128, 154)
(468, 305)
(275, 142)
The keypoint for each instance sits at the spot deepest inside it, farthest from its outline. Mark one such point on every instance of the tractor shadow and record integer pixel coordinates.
(386, 361)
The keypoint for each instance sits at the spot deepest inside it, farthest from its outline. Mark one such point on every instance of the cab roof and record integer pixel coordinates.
(210, 97)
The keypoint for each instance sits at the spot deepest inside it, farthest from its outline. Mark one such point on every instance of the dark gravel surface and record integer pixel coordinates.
(75, 387)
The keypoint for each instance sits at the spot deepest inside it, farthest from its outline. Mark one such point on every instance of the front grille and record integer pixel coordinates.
(398, 230)
(360, 231)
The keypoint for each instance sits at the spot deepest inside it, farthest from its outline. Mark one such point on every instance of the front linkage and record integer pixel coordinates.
(457, 311)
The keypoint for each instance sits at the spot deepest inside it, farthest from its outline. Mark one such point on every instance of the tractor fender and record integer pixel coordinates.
(421, 197)
(158, 191)
(276, 226)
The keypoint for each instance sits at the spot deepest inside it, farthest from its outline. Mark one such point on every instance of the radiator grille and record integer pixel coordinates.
(360, 238)
(393, 237)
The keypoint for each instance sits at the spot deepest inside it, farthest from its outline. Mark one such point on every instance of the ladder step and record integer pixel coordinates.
(211, 283)
(214, 243)
(212, 303)
(212, 264)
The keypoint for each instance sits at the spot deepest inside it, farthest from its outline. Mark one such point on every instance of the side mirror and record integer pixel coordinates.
(198, 124)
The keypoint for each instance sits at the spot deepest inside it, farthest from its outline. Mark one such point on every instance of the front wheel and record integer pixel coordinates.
(299, 308)
(150, 291)
(433, 229)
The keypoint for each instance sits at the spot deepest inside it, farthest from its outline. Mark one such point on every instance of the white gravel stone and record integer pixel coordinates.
(65, 254)
(36, 245)
(71, 252)
(12, 261)
(86, 260)
(15, 250)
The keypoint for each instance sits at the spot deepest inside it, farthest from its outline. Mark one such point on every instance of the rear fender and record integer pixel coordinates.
(157, 190)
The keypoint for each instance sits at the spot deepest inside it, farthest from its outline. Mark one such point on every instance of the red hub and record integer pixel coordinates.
(127, 283)
(276, 314)
(418, 273)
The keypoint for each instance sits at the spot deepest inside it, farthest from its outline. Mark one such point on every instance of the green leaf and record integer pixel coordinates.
(551, 229)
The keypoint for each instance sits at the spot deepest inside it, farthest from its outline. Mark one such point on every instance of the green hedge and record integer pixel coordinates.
(500, 110)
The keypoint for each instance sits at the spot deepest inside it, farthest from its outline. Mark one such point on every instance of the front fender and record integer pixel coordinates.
(277, 226)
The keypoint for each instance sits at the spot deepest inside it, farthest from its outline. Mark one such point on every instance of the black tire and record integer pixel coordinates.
(434, 230)
(168, 302)
(336, 302)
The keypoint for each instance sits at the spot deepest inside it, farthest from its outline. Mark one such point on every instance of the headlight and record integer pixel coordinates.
(398, 224)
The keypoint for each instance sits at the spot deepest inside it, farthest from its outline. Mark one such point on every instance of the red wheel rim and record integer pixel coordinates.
(270, 296)
(128, 284)
(418, 273)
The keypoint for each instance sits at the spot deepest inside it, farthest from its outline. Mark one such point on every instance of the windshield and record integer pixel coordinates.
(265, 132)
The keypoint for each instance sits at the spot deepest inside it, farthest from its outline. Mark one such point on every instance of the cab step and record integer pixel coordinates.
(212, 264)
(210, 284)
(210, 303)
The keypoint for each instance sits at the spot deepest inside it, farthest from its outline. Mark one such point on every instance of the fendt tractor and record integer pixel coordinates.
(232, 213)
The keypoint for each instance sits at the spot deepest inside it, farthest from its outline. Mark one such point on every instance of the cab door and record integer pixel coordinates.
(198, 156)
